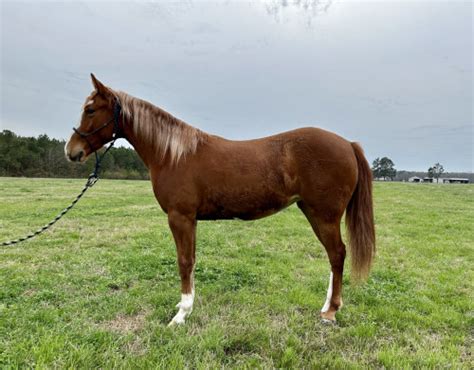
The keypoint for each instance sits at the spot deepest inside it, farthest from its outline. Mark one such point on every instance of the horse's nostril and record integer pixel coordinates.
(77, 157)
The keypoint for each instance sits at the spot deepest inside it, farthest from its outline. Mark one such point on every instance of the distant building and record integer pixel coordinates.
(444, 180)
(455, 180)
(432, 180)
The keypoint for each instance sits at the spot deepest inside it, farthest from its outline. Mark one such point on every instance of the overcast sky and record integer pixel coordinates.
(395, 76)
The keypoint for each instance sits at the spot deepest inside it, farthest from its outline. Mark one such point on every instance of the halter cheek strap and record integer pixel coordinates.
(114, 119)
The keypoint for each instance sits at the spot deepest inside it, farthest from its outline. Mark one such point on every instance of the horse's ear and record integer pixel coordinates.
(99, 86)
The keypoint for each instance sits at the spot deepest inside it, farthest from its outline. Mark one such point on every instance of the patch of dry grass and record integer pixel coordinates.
(124, 324)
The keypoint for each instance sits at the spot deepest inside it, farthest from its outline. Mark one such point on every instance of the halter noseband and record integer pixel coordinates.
(114, 119)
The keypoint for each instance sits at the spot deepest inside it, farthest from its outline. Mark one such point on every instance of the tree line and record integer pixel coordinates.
(44, 157)
(384, 169)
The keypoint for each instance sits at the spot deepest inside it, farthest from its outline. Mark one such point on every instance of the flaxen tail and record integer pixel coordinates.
(360, 219)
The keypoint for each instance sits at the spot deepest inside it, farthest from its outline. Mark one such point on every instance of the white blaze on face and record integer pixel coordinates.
(328, 295)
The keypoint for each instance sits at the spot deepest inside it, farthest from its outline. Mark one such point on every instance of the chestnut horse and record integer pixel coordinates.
(198, 176)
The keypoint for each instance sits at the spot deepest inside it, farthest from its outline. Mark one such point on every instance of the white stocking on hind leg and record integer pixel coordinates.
(327, 304)
(328, 295)
(329, 234)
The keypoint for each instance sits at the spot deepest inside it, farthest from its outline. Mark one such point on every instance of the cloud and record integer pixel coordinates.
(383, 74)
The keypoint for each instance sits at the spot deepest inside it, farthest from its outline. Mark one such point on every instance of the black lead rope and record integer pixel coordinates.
(91, 180)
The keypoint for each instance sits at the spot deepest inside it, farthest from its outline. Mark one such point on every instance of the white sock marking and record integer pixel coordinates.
(185, 308)
(328, 295)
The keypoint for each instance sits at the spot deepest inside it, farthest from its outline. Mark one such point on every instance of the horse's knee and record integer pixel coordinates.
(186, 264)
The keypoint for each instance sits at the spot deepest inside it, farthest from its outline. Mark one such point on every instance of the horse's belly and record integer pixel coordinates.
(244, 207)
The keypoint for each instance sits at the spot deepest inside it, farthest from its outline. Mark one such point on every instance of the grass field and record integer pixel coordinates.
(99, 289)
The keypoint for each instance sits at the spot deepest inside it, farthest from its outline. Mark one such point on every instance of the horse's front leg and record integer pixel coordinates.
(183, 228)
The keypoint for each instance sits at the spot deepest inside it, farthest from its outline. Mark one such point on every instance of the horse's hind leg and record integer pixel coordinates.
(329, 233)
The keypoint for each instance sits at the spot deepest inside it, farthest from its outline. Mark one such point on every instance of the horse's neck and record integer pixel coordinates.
(143, 149)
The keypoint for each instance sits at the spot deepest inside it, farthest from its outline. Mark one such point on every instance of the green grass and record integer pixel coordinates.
(99, 289)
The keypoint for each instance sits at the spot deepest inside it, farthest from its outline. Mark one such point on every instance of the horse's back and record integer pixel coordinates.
(300, 152)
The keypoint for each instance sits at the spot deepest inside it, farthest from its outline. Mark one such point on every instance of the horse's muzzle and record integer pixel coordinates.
(77, 157)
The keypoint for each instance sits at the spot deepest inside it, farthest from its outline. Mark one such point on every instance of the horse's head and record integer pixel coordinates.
(98, 126)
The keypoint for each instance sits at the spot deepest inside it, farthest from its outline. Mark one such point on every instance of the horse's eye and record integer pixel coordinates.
(90, 111)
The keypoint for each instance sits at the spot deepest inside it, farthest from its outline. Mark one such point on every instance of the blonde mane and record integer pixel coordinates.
(164, 132)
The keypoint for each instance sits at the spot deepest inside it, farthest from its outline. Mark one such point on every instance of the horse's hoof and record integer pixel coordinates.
(175, 322)
(328, 316)
(327, 321)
